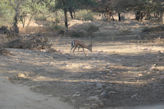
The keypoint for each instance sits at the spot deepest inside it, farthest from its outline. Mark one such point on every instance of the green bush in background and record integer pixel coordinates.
(85, 15)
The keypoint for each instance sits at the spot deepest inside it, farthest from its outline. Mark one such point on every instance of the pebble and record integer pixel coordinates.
(104, 94)
(77, 94)
(93, 98)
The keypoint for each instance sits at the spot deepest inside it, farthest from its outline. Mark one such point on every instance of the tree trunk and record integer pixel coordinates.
(15, 23)
(22, 20)
(137, 15)
(119, 16)
(74, 14)
(65, 18)
(71, 13)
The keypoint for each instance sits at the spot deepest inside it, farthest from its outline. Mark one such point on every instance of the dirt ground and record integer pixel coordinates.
(14, 96)
(122, 71)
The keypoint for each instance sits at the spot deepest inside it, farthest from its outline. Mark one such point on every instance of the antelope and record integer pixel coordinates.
(80, 44)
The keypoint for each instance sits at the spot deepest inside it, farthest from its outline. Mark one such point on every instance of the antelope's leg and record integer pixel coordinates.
(71, 49)
(78, 48)
(74, 49)
(84, 51)
(72, 45)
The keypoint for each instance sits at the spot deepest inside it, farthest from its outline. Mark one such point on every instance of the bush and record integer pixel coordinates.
(85, 15)
(32, 41)
(82, 30)
(56, 27)
(88, 16)
(40, 18)
(77, 33)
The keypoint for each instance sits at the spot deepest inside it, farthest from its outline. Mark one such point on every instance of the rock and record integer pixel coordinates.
(95, 102)
(107, 66)
(112, 92)
(90, 84)
(77, 94)
(140, 74)
(134, 96)
(109, 87)
(94, 106)
(99, 85)
(93, 98)
(22, 75)
(104, 94)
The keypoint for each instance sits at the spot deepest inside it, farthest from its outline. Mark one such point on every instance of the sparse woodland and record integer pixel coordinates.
(91, 54)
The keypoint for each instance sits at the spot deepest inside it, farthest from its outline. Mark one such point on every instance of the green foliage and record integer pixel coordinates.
(35, 7)
(56, 18)
(31, 7)
(88, 16)
(74, 4)
(59, 16)
(40, 18)
(6, 13)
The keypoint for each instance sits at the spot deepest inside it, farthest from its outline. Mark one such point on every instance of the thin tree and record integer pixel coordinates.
(16, 6)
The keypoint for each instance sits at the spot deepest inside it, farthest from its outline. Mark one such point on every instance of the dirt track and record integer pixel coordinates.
(14, 96)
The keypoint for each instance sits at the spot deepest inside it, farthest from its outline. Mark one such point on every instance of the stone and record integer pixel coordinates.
(99, 85)
(104, 94)
(93, 98)
(77, 94)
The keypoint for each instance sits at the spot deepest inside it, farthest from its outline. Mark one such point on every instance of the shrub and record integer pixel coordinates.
(88, 16)
(77, 33)
(57, 27)
(85, 15)
(40, 18)
(83, 30)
